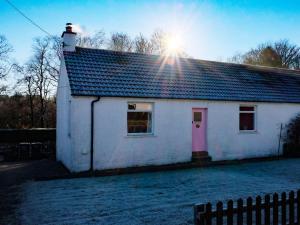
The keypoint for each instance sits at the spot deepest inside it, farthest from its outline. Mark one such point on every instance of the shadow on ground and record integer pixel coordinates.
(13, 174)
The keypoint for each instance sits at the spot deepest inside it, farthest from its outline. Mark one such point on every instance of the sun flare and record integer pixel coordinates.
(173, 45)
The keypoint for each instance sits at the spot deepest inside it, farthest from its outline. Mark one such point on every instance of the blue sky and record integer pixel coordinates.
(213, 30)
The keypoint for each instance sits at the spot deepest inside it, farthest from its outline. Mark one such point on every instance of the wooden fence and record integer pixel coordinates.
(23, 144)
(283, 209)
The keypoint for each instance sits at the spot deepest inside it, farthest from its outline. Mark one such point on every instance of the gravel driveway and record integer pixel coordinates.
(149, 198)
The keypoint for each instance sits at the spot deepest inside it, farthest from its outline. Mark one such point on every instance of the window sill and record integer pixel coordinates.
(248, 132)
(137, 135)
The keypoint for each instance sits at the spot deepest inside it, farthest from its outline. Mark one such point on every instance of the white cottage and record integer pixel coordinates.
(117, 110)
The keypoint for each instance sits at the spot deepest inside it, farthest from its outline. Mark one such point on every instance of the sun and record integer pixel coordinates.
(173, 45)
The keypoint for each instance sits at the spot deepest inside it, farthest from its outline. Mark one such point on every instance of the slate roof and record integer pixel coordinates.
(94, 72)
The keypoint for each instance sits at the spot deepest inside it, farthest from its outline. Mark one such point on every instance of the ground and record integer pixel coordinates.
(147, 198)
(13, 174)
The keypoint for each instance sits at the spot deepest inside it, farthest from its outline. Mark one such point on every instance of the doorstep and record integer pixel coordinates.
(201, 156)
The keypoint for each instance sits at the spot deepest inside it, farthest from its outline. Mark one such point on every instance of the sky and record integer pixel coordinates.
(212, 30)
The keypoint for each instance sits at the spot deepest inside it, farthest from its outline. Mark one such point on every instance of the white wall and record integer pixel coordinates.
(172, 139)
(63, 129)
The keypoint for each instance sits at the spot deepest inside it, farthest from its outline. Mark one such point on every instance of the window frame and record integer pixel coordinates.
(254, 112)
(152, 118)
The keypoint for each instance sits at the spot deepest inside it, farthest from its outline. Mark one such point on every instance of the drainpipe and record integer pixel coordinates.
(92, 133)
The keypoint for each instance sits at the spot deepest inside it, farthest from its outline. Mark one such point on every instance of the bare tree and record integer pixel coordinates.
(29, 89)
(237, 58)
(289, 54)
(96, 40)
(41, 73)
(159, 41)
(279, 54)
(3, 89)
(120, 42)
(5, 49)
(55, 54)
(143, 45)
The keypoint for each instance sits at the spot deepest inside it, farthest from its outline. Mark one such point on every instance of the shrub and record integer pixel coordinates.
(292, 137)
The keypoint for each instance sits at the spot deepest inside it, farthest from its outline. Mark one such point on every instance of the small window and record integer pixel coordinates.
(247, 118)
(197, 116)
(139, 118)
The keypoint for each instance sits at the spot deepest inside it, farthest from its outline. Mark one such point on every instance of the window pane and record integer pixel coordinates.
(140, 106)
(246, 121)
(139, 122)
(246, 108)
(198, 116)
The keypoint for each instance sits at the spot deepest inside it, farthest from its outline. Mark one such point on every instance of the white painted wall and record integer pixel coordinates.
(172, 139)
(63, 117)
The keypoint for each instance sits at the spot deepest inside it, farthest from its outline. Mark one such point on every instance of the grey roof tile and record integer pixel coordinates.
(94, 72)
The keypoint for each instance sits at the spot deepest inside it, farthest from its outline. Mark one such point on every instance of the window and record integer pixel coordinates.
(197, 116)
(247, 118)
(139, 118)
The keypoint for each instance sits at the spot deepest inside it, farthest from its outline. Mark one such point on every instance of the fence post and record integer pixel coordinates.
(208, 217)
(258, 210)
(199, 214)
(275, 209)
(283, 208)
(249, 211)
(240, 205)
(291, 208)
(298, 207)
(267, 209)
(219, 213)
(230, 212)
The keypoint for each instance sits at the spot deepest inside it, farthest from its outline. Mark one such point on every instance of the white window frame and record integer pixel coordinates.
(152, 118)
(254, 111)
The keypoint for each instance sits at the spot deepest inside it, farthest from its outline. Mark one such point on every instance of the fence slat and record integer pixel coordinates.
(219, 213)
(275, 209)
(240, 211)
(204, 215)
(230, 212)
(249, 211)
(298, 207)
(199, 214)
(291, 208)
(267, 209)
(258, 210)
(208, 218)
(283, 208)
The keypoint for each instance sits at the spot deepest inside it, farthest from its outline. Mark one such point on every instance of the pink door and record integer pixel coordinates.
(199, 129)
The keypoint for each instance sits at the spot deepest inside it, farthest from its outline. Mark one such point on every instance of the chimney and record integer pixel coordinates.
(69, 38)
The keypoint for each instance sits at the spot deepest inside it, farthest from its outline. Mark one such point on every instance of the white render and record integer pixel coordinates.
(172, 138)
(63, 102)
(69, 42)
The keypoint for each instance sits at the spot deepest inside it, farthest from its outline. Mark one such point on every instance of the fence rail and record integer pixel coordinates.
(23, 144)
(284, 210)
(27, 135)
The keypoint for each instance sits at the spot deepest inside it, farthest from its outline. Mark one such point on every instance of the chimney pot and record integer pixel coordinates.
(69, 27)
